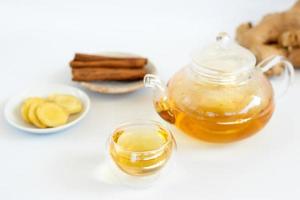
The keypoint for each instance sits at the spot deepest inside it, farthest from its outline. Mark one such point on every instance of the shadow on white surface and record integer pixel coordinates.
(93, 173)
(108, 172)
(271, 140)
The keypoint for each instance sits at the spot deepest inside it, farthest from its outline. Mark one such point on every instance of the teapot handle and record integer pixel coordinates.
(160, 98)
(288, 74)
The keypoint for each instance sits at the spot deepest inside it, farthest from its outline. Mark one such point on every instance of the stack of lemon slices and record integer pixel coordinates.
(49, 112)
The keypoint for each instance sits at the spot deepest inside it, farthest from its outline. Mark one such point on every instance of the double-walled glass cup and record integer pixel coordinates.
(141, 148)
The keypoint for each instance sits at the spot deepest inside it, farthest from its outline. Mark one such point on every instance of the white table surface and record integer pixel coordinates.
(38, 38)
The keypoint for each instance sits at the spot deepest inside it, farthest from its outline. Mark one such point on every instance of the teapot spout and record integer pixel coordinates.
(160, 97)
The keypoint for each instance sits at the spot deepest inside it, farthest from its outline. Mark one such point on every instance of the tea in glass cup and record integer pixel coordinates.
(141, 148)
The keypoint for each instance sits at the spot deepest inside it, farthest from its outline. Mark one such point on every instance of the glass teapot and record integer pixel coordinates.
(221, 96)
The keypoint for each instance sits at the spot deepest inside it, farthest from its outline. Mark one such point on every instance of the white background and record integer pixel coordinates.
(37, 40)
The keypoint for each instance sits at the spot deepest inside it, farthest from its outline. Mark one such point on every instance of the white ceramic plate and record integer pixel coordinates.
(118, 87)
(12, 108)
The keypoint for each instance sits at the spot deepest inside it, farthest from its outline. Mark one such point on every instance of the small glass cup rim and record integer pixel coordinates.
(143, 122)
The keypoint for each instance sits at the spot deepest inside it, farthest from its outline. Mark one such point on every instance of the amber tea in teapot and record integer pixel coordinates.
(221, 96)
(220, 118)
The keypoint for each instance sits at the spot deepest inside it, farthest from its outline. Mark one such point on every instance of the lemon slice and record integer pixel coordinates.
(51, 114)
(25, 107)
(32, 114)
(70, 103)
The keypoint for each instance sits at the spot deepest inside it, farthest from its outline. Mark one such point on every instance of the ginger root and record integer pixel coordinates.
(290, 39)
(276, 34)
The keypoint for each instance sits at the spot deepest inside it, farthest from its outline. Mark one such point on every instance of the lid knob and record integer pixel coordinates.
(223, 39)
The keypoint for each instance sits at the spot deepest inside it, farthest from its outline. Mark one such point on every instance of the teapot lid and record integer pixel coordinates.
(224, 56)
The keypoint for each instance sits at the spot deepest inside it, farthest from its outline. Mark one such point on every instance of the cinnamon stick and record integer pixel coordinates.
(106, 63)
(88, 60)
(92, 57)
(112, 74)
